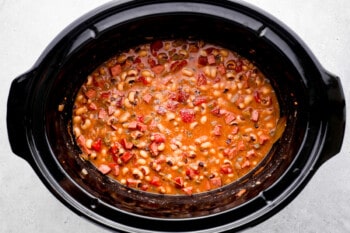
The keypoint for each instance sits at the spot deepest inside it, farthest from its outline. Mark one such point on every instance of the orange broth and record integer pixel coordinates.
(176, 117)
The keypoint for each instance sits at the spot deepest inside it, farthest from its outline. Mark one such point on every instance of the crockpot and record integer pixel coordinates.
(310, 98)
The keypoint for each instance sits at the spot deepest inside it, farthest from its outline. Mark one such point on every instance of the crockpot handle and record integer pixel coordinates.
(16, 115)
(336, 117)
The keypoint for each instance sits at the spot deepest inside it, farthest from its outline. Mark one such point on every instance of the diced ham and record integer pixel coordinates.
(250, 154)
(116, 70)
(230, 152)
(102, 114)
(235, 129)
(154, 149)
(132, 125)
(158, 69)
(116, 170)
(91, 93)
(182, 95)
(216, 182)
(211, 59)
(263, 138)
(188, 190)
(111, 109)
(105, 94)
(216, 111)
(130, 182)
(172, 105)
(230, 117)
(156, 46)
(240, 145)
(201, 79)
(217, 130)
(158, 137)
(161, 110)
(141, 126)
(255, 115)
(202, 60)
(155, 181)
(104, 169)
(119, 102)
(246, 164)
(92, 106)
(82, 142)
(147, 98)
(226, 169)
(198, 100)
(221, 69)
(187, 115)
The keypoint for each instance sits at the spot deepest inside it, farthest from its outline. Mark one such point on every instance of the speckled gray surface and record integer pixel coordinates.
(27, 27)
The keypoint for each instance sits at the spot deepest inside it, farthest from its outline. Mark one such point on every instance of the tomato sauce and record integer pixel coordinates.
(176, 117)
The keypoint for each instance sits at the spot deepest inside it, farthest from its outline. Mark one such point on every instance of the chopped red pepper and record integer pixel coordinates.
(143, 80)
(156, 46)
(179, 182)
(141, 126)
(226, 169)
(202, 60)
(155, 181)
(96, 145)
(126, 156)
(127, 145)
(158, 137)
(115, 147)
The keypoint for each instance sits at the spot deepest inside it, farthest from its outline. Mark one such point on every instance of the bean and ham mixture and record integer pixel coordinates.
(176, 117)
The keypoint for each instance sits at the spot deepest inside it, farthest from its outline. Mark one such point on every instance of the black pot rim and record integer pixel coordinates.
(327, 132)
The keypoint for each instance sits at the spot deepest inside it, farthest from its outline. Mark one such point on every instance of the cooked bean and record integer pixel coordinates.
(81, 110)
(205, 145)
(144, 154)
(187, 72)
(123, 118)
(137, 174)
(86, 124)
(145, 170)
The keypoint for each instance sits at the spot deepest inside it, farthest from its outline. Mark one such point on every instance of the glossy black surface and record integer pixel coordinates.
(310, 97)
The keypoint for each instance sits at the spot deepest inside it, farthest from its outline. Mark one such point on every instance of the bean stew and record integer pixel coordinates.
(176, 117)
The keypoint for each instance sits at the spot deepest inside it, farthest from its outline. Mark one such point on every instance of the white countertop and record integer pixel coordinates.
(27, 27)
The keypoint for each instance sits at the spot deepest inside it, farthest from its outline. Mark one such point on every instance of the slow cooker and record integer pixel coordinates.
(310, 97)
